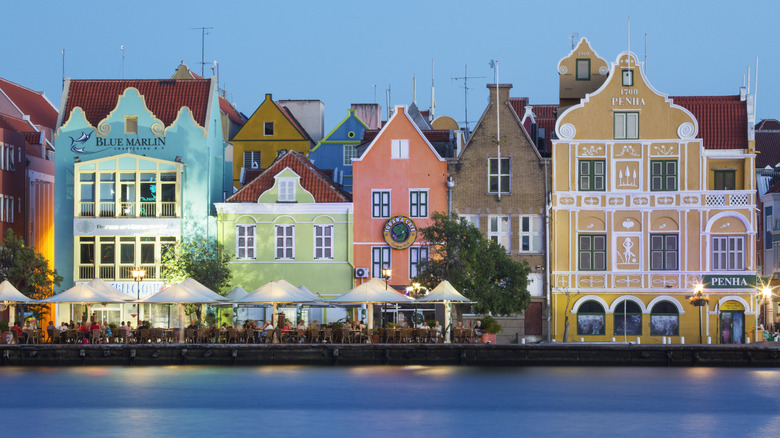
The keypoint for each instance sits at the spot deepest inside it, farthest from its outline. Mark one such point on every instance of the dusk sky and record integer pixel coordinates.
(336, 51)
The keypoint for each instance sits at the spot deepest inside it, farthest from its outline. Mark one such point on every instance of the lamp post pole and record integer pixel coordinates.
(138, 275)
(386, 273)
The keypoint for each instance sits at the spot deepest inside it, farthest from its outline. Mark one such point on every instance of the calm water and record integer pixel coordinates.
(388, 401)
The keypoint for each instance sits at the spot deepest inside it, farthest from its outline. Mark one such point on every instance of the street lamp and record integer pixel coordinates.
(416, 291)
(386, 273)
(138, 274)
(699, 300)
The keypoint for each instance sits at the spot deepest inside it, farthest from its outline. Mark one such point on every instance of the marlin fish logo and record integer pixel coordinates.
(74, 142)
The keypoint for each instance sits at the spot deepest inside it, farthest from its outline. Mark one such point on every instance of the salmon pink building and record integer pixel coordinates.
(400, 180)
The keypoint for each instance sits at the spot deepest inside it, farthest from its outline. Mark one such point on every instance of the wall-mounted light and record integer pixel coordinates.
(178, 159)
(77, 159)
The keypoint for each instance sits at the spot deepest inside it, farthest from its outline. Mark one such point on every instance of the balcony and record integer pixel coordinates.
(122, 272)
(128, 209)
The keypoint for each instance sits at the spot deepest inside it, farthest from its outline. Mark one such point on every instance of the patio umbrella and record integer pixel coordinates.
(9, 295)
(370, 293)
(446, 294)
(82, 293)
(274, 293)
(183, 293)
(203, 290)
(234, 294)
(106, 288)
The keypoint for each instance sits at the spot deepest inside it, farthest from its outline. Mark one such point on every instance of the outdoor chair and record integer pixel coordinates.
(232, 336)
(457, 335)
(300, 335)
(156, 335)
(328, 335)
(50, 333)
(276, 337)
(468, 334)
(189, 336)
(143, 336)
(121, 336)
(95, 336)
(201, 335)
(251, 336)
(345, 335)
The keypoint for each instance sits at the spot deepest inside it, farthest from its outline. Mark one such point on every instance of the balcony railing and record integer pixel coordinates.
(128, 209)
(115, 272)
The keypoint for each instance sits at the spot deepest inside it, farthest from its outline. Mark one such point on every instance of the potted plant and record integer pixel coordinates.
(4, 331)
(375, 336)
(490, 327)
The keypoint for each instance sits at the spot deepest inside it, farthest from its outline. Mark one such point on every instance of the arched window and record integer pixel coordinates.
(664, 319)
(628, 319)
(590, 319)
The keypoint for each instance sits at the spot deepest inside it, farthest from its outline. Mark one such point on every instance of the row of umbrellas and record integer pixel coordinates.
(373, 291)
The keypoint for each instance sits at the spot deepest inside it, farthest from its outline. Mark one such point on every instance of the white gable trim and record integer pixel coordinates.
(399, 109)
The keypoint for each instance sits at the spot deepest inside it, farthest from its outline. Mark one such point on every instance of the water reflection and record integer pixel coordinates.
(414, 400)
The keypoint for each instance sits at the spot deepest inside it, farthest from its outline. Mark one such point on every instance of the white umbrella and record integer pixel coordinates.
(82, 293)
(9, 295)
(236, 293)
(446, 294)
(371, 292)
(180, 294)
(274, 293)
(106, 288)
(203, 290)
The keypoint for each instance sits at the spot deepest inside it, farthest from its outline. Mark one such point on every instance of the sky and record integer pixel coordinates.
(342, 52)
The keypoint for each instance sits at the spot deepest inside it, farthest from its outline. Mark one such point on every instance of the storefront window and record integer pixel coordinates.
(664, 319)
(628, 319)
(590, 319)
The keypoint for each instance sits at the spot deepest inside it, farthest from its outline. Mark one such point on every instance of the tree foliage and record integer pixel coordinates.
(200, 259)
(477, 267)
(27, 270)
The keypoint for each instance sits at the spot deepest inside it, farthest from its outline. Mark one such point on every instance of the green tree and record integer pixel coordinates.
(200, 259)
(28, 271)
(477, 267)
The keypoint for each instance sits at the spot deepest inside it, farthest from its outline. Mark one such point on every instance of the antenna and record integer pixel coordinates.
(494, 65)
(122, 48)
(755, 93)
(388, 101)
(204, 31)
(573, 37)
(63, 69)
(374, 86)
(466, 78)
(645, 64)
(414, 89)
(628, 30)
(433, 100)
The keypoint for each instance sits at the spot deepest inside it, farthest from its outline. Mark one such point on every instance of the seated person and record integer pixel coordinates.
(17, 331)
(301, 325)
(193, 325)
(478, 329)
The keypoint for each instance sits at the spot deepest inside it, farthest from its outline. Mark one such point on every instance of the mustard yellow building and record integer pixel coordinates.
(651, 195)
(270, 130)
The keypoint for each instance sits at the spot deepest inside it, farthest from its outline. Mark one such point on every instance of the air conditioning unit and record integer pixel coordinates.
(361, 272)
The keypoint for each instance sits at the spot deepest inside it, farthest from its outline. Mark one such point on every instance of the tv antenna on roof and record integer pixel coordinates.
(573, 37)
(466, 78)
(204, 31)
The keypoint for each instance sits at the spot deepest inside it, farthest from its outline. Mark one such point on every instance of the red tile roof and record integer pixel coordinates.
(31, 103)
(312, 179)
(33, 137)
(231, 112)
(775, 188)
(545, 115)
(722, 120)
(5, 124)
(768, 124)
(20, 125)
(164, 97)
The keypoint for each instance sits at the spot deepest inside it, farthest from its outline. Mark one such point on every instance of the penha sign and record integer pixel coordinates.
(730, 281)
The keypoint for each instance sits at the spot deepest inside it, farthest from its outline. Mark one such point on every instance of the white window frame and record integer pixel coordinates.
(498, 175)
(287, 189)
(265, 128)
(472, 219)
(532, 234)
(418, 203)
(500, 230)
(382, 262)
(323, 243)
(416, 255)
(776, 254)
(288, 250)
(380, 208)
(728, 258)
(246, 240)
(349, 152)
(399, 149)
(131, 125)
(626, 121)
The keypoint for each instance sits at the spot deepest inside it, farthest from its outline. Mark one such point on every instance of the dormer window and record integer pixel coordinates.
(628, 78)
(400, 149)
(583, 70)
(131, 124)
(287, 189)
(269, 128)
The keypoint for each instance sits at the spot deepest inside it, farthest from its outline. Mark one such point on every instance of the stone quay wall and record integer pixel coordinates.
(751, 355)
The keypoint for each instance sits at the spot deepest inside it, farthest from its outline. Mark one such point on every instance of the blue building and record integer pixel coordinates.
(139, 165)
(335, 152)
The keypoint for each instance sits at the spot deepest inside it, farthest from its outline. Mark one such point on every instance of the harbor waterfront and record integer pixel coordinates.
(762, 354)
(390, 401)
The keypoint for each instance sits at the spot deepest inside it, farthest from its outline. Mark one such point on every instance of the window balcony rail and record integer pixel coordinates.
(619, 199)
(87, 272)
(128, 209)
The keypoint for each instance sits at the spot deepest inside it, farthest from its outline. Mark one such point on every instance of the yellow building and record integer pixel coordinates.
(651, 195)
(271, 130)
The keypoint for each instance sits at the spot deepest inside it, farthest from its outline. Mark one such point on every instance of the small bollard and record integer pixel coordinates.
(522, 341)
(709, 340)
(682, 339)
(637, 340)
(747, 339)
(613, 339)
(553, 340)
(582, 339)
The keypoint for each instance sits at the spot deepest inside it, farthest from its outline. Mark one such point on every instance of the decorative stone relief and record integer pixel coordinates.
(567, 131)
(563, 70)
(603, 70)
(686, 130)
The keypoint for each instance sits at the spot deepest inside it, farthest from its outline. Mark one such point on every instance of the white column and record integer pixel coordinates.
(447, 321)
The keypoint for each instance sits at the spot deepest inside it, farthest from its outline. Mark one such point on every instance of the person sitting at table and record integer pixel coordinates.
(314, 325)
(459, 325)
(301, 325)
(223, 328)
(64, 327)
(193, 325)
(348, 325)
(84, 330)
(17, 330)
(478, 330)
(265, 330)
(71, 325)
(286, 325)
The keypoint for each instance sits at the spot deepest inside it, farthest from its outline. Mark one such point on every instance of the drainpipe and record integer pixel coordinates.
(450, 185)
(547, 207)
